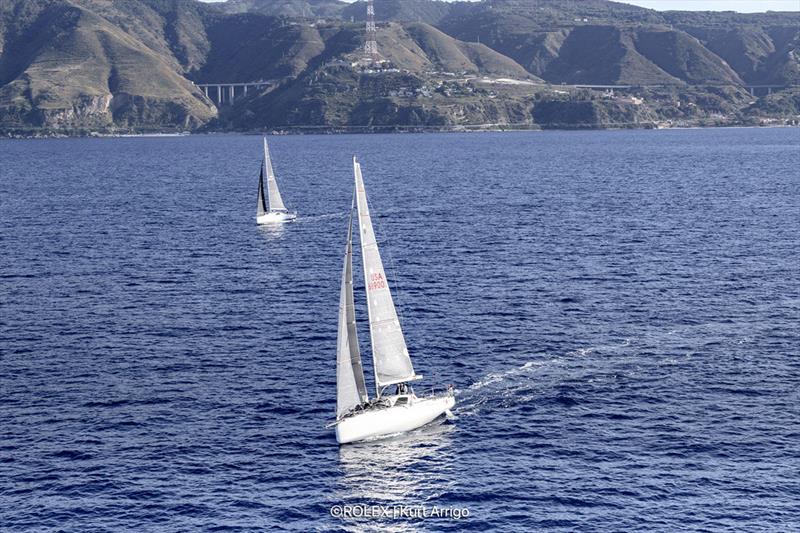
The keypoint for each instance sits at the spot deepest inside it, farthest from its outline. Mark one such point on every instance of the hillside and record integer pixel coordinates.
(265, 47)
(758, 54)
(65, 65)
(554, 39)
(80, 65)
(286, 8)
(427, 11)
(419, 47)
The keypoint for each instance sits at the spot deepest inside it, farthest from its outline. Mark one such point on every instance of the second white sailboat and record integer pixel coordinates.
(270, 208)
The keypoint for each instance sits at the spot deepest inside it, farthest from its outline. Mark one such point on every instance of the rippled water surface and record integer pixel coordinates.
(619, 313)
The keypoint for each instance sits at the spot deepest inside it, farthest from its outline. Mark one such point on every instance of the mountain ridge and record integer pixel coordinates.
(73, 65)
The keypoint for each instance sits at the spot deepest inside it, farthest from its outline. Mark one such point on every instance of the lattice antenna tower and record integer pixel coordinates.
(370, 42)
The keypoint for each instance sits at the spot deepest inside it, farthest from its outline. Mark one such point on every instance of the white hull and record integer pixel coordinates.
(391, 420)
(275, 217)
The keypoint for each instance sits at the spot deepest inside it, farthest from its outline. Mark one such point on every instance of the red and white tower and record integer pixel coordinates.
(370, 41)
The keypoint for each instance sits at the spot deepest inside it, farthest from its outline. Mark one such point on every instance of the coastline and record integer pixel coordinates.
(33, 133)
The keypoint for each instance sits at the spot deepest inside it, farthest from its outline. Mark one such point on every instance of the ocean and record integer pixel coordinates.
(618, 311)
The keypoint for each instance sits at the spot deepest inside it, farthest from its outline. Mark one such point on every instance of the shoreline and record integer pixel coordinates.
(346, 130)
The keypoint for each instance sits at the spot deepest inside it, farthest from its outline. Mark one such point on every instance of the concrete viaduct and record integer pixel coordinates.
(226, 92)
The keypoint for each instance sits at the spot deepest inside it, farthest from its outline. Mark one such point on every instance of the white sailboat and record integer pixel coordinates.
(358, 417)
(271, 209)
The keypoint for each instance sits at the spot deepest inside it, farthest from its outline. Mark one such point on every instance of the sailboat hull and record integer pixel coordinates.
(275, 218)
(396, 419)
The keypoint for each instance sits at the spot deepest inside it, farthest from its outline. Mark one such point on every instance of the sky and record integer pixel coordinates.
(744, 6)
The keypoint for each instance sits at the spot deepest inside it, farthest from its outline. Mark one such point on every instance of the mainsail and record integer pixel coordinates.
(274, 195)
(350, 387)
(261, 209)
(389, 352)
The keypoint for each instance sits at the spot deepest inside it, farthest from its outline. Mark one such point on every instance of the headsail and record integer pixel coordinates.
(350, 387)
(261, 209)
(389, 352)
(275, 200)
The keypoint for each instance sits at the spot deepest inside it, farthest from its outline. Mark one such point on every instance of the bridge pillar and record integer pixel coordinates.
(752, 91)
(245, 90)
(230, 92)
(219, 95)
(769, 90)
(205, 91)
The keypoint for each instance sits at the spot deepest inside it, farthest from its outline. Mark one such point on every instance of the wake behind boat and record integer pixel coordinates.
(358, 417)
(270, 209)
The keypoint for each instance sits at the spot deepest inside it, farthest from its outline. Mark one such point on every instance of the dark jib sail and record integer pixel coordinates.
(261, 201)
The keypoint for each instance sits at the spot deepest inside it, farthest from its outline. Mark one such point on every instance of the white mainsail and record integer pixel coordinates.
(389, 352)
(351, 389)
(274, 195)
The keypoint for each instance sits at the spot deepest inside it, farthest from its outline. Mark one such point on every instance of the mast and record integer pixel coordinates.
(274, 195)
(391, 361)
(351, 390)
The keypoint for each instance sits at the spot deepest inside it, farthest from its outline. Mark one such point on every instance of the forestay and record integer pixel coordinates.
(275, 200)
(351, 389)
(389, 352)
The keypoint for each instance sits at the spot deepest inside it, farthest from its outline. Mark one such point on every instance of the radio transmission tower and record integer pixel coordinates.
(370, 42)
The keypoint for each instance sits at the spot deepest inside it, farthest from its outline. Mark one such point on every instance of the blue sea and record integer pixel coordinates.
(619, 312)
